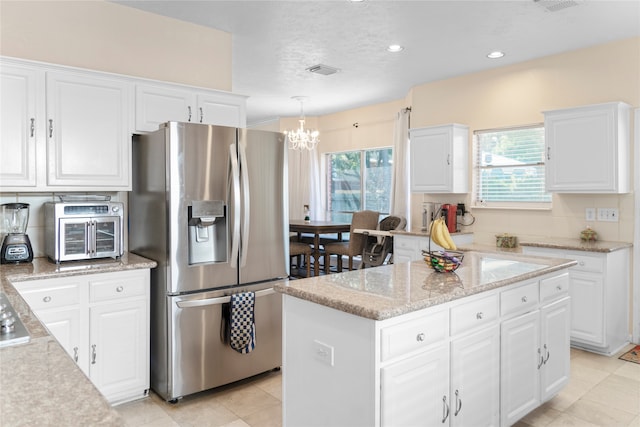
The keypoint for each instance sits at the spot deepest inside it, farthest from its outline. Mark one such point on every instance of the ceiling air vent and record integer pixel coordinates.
(556, 5)
(325, 70)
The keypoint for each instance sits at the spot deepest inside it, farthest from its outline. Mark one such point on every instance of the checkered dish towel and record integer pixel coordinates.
(242, 336)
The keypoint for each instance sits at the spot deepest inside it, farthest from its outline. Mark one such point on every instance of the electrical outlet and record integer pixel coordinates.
(323, 352)
(590, 214)
(608, 214)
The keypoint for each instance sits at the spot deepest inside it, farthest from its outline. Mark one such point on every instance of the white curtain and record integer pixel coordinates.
(304, 184)
(400, 196)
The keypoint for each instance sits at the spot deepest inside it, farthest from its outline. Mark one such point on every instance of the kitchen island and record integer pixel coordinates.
(40, 383)
(403, 345)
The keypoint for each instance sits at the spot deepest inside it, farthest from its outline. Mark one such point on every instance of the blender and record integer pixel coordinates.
(16, 246)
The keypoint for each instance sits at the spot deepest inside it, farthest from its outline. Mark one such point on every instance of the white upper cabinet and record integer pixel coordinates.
(439, 159)
(588, 149)
(159, 103)
(89, 142)
(18, 125)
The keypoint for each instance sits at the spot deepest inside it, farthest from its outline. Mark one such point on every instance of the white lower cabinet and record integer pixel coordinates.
(102, 321)
(409, 247)
(535, 353)
(483, 360)
(599, 293)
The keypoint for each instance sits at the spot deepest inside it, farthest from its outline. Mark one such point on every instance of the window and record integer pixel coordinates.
(358, 180)
(509, 168)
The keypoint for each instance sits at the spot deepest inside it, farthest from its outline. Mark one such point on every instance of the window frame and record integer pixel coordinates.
(363, 177)
(476, 167)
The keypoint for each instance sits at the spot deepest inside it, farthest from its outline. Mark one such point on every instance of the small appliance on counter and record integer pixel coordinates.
(450, 214)
(83, 227)
(16, 246)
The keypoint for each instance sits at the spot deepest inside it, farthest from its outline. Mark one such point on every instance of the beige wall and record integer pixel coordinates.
(510, 96)
(108, 37)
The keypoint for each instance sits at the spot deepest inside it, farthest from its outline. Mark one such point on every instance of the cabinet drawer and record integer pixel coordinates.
(414, 334)
(116, 287)
(587, 263)
(520, 299)
(44, 294)
(554, 287)
(473, 314)
(408, 243)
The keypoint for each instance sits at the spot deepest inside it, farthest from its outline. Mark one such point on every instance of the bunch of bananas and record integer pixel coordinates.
(440, 235)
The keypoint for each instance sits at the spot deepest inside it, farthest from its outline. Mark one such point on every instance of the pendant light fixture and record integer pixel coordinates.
(302, 138)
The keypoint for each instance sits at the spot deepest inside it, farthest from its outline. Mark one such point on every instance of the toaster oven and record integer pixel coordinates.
(83, 230)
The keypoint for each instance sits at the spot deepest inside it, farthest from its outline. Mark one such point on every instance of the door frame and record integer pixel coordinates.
(635, 313)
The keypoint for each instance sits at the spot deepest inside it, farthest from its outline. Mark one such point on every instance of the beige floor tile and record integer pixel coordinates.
(142, 412)
(597, 361)
(271, 383)
(542, 416)
(267, 417)
(247, 399)
(566, 420)
(618, 392)
(635, 422)
(599, 414)
(629, 370)
(583, 370)
(201, 410)
(570, 394)
(237, 423)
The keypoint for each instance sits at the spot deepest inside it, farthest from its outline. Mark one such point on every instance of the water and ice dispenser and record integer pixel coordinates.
(207, 232)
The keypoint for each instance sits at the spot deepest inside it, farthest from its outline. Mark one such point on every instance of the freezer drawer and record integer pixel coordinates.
(199, 358)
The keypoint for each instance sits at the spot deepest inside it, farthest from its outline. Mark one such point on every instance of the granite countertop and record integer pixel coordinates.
(392, 290)
(422, 233)
(40, 383)
(575, 244)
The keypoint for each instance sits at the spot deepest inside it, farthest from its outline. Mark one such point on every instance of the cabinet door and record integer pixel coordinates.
(583, 149)
(221, 109)
(475, 379)
(159, 104)
(520, 364)
(554, 323)
(70, 331)
(415, 391)
(89, 141)
(18, 125)
(119, 348)
(587, 301)
(430, 160)
(439, 159)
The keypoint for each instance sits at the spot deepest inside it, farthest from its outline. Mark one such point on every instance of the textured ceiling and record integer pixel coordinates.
(275, 41)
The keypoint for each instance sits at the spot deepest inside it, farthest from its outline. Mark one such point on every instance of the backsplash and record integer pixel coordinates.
(35, 227)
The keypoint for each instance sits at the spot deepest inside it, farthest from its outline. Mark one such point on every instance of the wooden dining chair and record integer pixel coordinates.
(299, 249)
(355, 245)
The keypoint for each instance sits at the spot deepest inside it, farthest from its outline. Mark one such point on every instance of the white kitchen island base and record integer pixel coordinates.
(486, 358)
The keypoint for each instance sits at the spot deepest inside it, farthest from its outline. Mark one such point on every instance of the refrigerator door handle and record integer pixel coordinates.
(244, 182)
(234, 183)
(219, 300)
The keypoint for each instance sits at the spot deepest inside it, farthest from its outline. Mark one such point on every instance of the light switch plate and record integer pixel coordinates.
(608, 214)
(323, 352)
(590, 214)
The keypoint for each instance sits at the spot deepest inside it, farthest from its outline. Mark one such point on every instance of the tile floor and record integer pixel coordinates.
(603, 391)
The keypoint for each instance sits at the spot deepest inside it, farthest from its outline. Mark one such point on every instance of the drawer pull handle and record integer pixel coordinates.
(93, 354)
(479, 315)
(46, 299)
(420, 336)
(189, 110)
(445, 409)
(50, 128)
(33, 127)
(541, 359)
(119, 289)
(559, 287)
(458, 404)
(75, 354)
(546, 359)
(524, 298)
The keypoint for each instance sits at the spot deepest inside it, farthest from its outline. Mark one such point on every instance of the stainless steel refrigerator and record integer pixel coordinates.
(209, 204)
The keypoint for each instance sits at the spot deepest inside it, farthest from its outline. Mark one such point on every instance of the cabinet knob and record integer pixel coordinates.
(581, 263)
(420, 336)
(119, 289)
(559, 287)
(479, 315)
(524, 298)
(46, 299)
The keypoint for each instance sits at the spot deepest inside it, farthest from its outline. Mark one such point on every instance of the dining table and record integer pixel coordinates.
(318, 228)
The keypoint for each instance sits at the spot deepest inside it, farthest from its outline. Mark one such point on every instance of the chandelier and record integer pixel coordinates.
(302, 138)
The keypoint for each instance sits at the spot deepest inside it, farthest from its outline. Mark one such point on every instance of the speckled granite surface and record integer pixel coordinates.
(421, 233)
(392, 290)
(575, 244)
(39, 382)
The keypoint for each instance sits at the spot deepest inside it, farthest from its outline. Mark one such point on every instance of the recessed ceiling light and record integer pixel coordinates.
(395, 48)
(495, 54)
